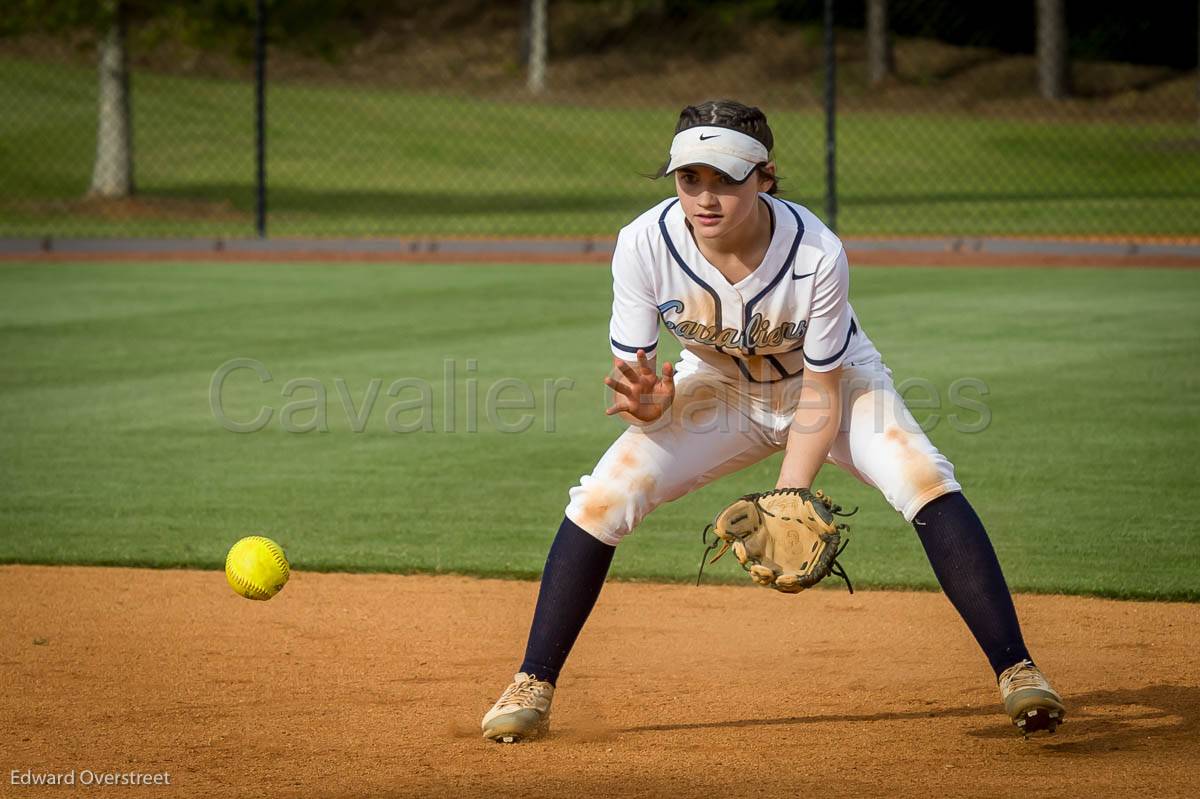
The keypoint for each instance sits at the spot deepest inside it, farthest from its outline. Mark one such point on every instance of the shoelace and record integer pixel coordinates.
(524, 692)
(1022, 675)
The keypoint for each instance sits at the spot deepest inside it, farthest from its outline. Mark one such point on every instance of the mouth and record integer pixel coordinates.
(708, 220)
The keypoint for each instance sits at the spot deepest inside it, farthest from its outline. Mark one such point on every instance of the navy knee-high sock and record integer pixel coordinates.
(571, 582)
(966, 566)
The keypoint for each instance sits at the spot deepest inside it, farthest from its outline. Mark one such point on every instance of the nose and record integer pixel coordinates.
(707, 199)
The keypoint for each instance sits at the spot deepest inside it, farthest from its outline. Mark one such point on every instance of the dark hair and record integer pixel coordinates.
(735, 116)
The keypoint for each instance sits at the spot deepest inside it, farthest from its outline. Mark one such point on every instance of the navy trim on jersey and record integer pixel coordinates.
(826, 361)
(741, 365)
(781, 368)
(745, 372)
(662, 226)
(787, 267)
(633, 350)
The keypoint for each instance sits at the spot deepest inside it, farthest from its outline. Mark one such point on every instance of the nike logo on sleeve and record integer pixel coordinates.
(706, 138)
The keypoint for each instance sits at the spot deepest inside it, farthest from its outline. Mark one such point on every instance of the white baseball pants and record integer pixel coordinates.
(715, 428)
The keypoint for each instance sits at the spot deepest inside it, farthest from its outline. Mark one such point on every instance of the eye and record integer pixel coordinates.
(728, 181)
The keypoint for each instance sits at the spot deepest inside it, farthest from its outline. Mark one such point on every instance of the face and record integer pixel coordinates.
(714, 203)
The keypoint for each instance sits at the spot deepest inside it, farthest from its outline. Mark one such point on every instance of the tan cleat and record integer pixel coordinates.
(1029, 700)
(522, 712)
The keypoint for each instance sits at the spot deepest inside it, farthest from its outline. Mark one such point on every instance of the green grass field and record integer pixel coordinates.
(110, 452)
(369, 161)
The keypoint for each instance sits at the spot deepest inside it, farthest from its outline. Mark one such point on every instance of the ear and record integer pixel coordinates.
(764, 182)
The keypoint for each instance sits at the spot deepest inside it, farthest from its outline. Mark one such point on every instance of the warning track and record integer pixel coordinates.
(1084, 252)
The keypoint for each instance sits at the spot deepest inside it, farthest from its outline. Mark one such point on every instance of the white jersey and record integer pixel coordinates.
(734, 402)
(790, 314)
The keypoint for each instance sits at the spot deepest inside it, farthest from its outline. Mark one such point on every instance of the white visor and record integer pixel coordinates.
(729, 151)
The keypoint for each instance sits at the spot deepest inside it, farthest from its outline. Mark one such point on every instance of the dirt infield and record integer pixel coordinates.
(373, 685)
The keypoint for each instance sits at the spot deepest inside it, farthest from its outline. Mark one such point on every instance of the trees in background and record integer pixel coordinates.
(1052, 63)
(880, 61)
(1145, 34)
(538, 33)
(318, 26)
(1049, 36)
(112, 171)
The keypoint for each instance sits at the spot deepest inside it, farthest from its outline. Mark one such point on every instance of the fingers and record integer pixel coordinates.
(635, 388)
(668, 380)
(627, 371)
(619, 404)
(643, 361)
(622, 405)
(619, 386)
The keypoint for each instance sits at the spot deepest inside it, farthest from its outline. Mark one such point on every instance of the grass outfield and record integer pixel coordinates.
(111, 454)
(355, 160)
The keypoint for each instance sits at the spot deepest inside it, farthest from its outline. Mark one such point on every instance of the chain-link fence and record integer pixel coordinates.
(530, 117)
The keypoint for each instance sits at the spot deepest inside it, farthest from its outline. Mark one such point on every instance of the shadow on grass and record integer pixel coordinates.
(233, 204)
(380, 202)
(851, 199)
(376, 202)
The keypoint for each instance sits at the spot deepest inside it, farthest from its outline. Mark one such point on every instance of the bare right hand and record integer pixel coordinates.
(638, 390)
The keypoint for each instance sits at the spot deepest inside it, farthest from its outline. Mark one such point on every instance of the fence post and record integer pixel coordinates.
(260, 118)
(831, 204)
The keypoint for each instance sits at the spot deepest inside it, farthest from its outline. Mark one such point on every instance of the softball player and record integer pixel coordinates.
(756, 290)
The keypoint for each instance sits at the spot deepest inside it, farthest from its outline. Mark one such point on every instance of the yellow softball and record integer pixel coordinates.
(256, 567)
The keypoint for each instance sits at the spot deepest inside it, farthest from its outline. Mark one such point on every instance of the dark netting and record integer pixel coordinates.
(520, 118)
